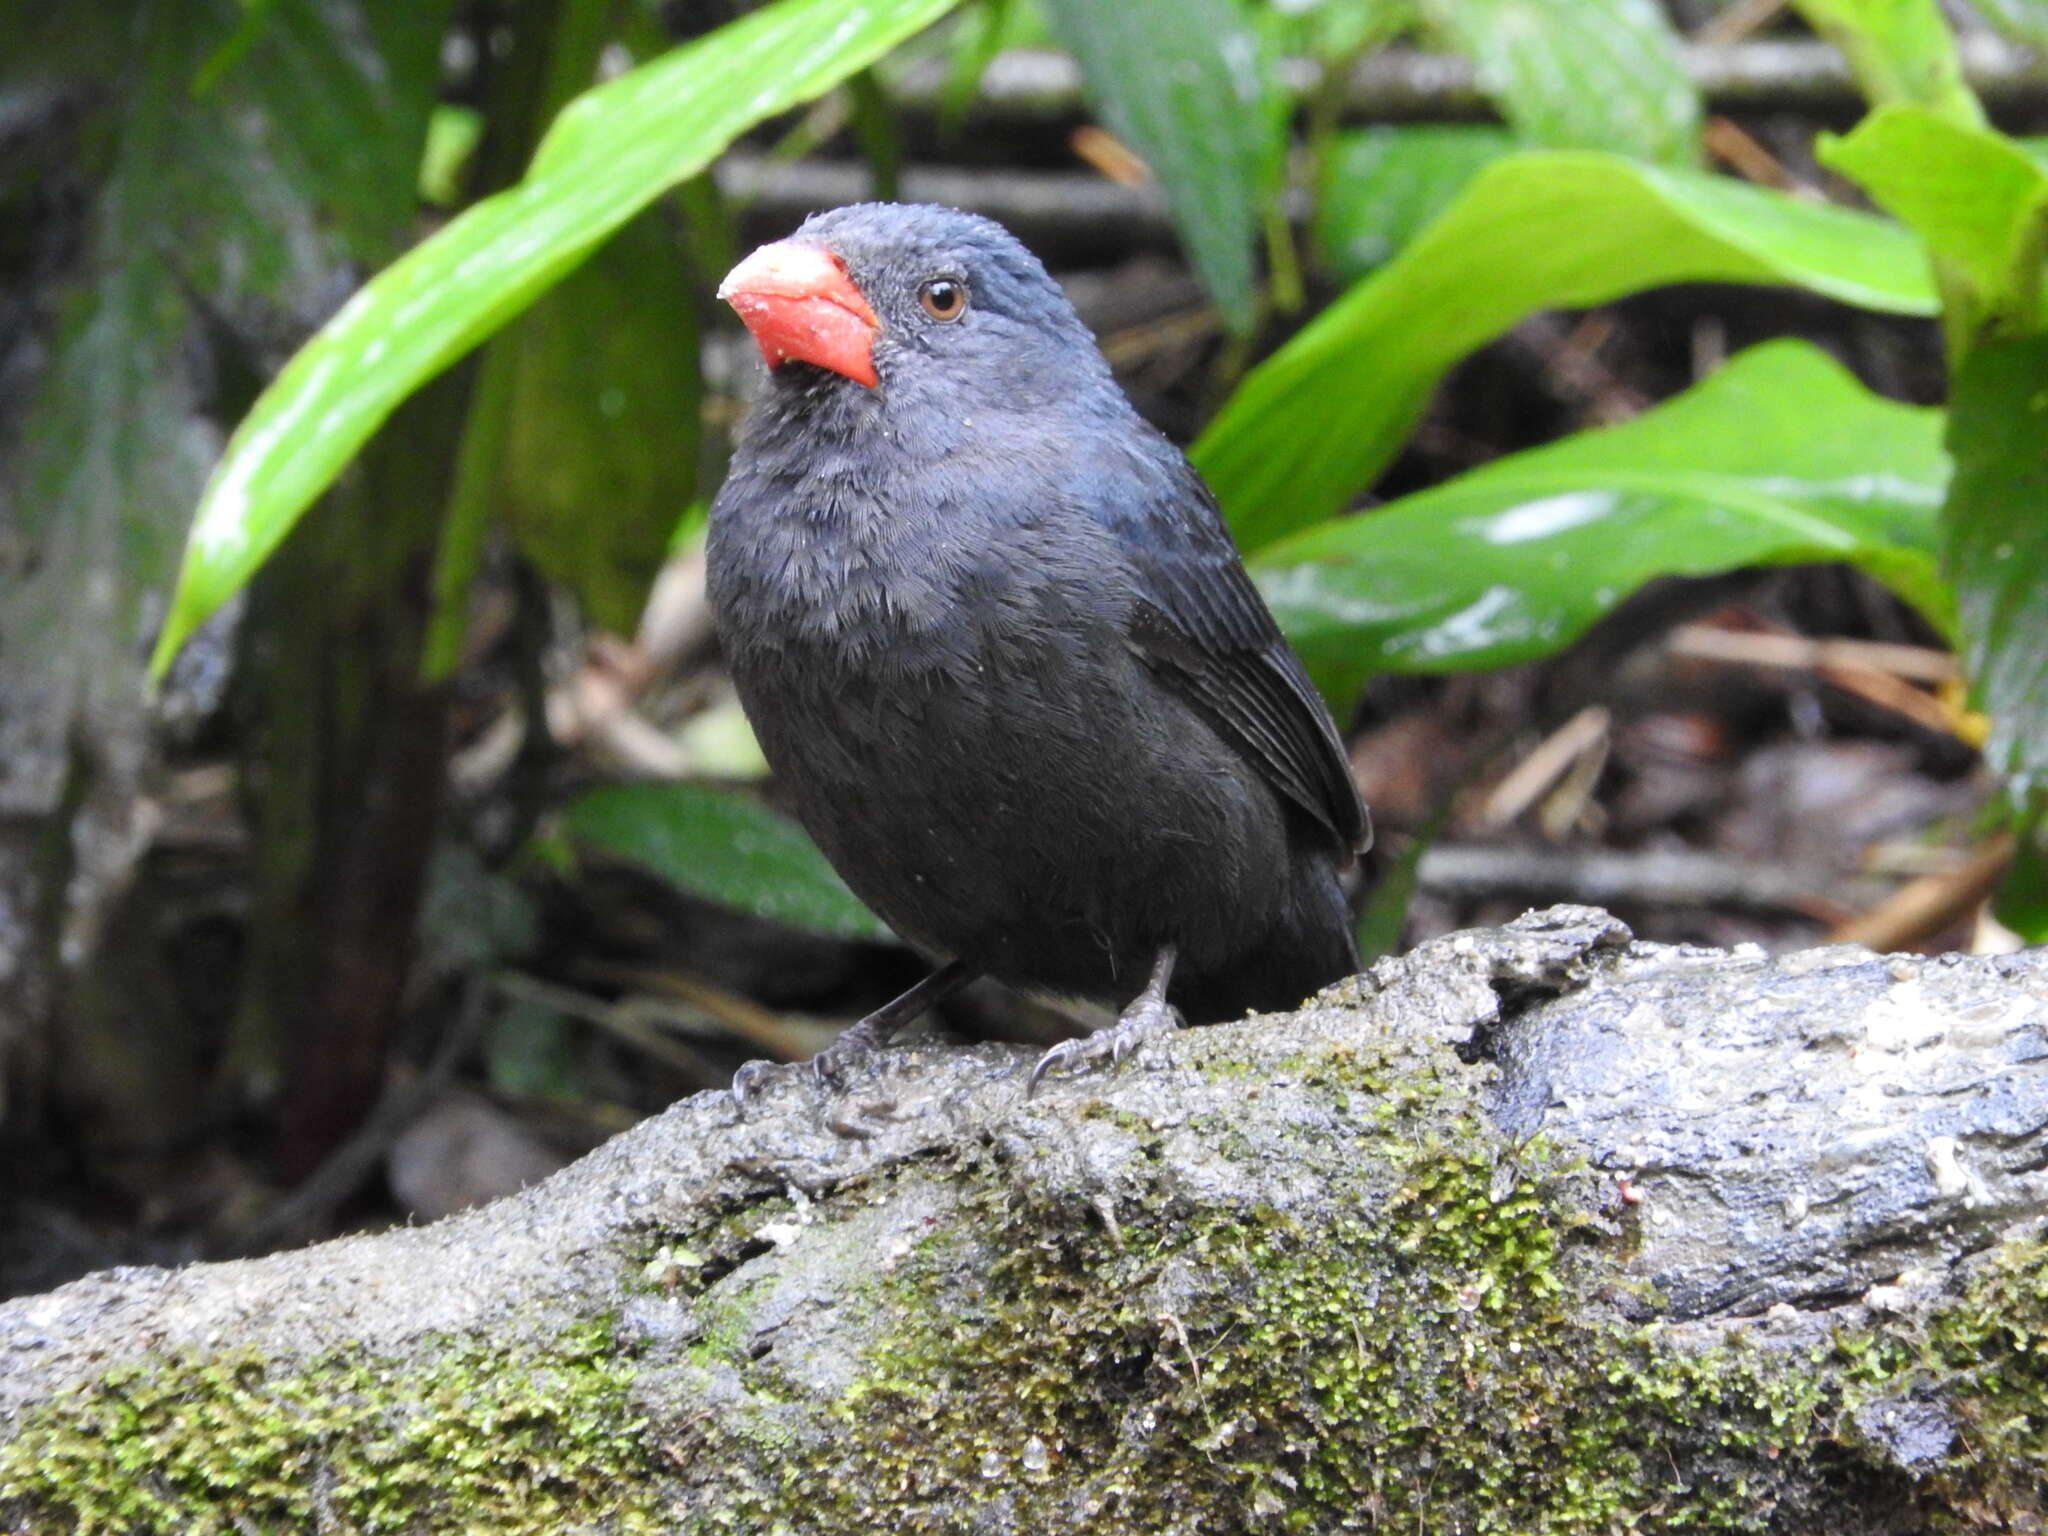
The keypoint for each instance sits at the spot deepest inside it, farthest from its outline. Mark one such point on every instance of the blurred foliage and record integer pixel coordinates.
(1979, 201)
(2023, 21)
(211, 209)
(1380, 187)
(273, 141)
(1597, 74)
(1999, 434)
(724, 849)
(1188, 85)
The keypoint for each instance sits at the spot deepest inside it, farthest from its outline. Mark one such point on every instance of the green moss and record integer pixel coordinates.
(1245, 1371)
(1417, 1356)
(1419, 1353)
(1985, 1356)
(468, 1440)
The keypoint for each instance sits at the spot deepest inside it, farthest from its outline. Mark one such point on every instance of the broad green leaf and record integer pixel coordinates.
(1315, 423)
(1900, 51)
(610, 152)
(1978, 199)
(1780, 458)
(1381, 186)
(1581, 74)
(601, 442)
(1995, 548)
(726, 849)
(1186, 84)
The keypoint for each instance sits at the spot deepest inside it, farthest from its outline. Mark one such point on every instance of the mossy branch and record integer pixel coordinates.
(1533, 1230)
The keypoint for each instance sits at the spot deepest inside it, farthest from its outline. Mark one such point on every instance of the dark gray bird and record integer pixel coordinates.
(992, 634)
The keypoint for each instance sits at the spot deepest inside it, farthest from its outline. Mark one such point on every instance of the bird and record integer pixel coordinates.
(995, 640)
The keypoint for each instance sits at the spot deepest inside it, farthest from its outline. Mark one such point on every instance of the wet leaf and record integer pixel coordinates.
(610, 152)
(1315, 423)
(1780, 458)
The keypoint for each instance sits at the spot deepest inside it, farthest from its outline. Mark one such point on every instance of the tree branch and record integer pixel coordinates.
(1535, 1228)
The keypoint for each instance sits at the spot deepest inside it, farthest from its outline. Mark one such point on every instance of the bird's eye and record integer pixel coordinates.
(943, 298)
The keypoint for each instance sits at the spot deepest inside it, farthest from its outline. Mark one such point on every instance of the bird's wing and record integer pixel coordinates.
(1203, 628)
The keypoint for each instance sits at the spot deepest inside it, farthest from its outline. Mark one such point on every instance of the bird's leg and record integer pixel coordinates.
(870, 1033)
(1149, 1013)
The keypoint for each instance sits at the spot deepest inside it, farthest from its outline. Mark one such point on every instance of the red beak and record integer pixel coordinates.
(802, 307)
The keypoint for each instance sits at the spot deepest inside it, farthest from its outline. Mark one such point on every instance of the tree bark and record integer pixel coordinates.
(1533, 1229)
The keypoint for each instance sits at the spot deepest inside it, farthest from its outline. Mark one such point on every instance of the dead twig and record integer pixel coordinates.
(1875, 671)
(1923, 908)
(1534, 775)
(1656, 877)
(1917, 663)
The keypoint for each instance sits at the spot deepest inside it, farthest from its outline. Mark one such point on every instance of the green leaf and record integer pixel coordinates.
(531, 1049)
(1382, 186)
(723, 848)
(1187, 85)
(2021, 902)
(1900, 51)
(1335, 34)
(1581, 74)
(1979, 199)
(1315, 423)
(610, 152)
(601, 443)
(1994, 550)
(981, 33)
(1780, 458)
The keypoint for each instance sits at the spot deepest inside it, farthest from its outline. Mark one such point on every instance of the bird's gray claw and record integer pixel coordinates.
(828, 1069)
(1066, 1051)
(752, 1078)
(1140, 1022)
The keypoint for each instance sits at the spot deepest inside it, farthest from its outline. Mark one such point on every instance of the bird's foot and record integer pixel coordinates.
(1146, 1017)
(753, 1079)
(829, 1068)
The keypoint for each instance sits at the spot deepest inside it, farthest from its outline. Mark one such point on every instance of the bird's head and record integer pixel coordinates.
(878, 293)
